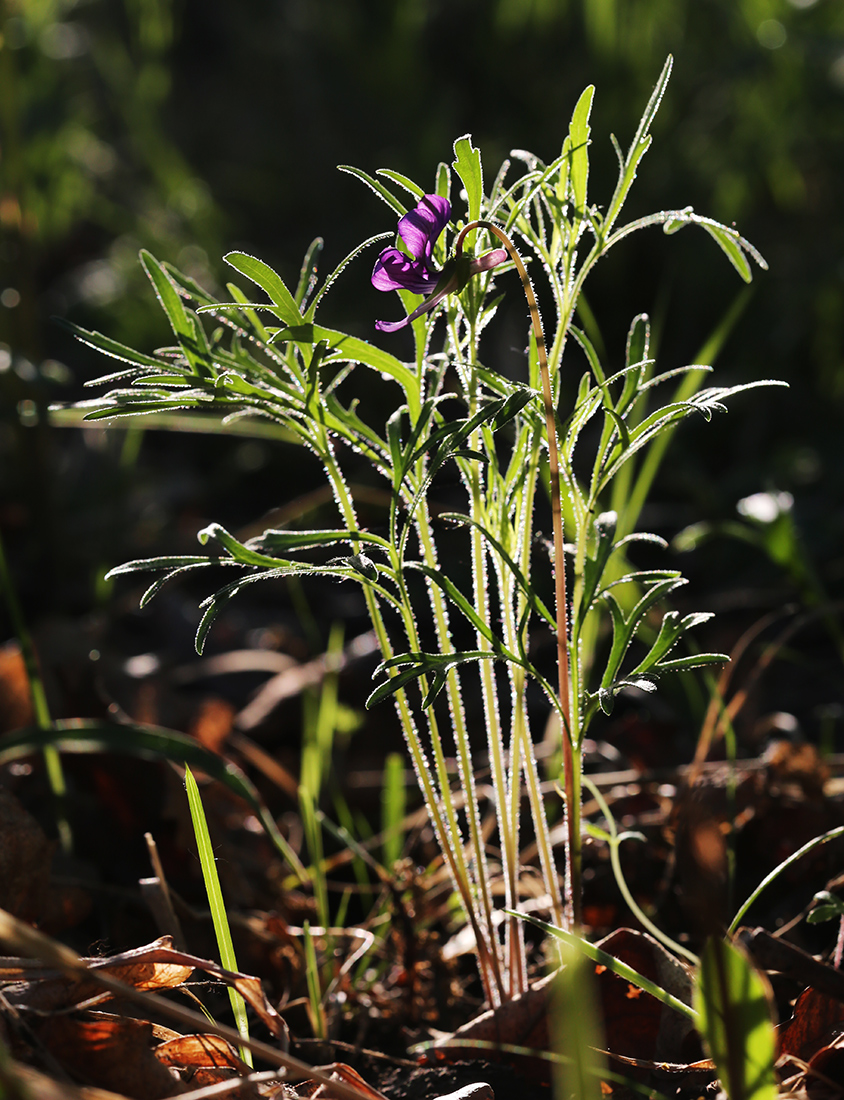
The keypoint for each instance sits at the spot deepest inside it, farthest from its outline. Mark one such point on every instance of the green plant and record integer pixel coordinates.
(216, 903)
(735, 1008)
(514, 447)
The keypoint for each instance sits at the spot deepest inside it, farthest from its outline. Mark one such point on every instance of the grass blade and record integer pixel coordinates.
(216, 904)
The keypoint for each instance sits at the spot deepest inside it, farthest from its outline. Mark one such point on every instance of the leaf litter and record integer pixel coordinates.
(395, 1009)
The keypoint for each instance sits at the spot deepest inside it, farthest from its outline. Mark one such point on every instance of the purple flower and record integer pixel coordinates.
(396, 270)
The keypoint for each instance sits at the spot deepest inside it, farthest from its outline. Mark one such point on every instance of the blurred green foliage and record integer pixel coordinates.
(193, 127)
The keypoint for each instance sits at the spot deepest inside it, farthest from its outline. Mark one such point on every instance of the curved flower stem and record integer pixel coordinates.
(568, 706)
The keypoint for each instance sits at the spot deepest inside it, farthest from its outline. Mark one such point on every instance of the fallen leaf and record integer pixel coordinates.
(825, 1074)
(146, 968)
(24, 1081)
(817, 1019)
(153, 967)
(337, 1071)
(15, 697)
(203, 1059)
(25, 858)
(637, 1026)
(110, 1052)
(209, 1051)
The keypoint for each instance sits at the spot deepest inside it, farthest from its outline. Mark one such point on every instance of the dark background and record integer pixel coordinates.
(191, 128)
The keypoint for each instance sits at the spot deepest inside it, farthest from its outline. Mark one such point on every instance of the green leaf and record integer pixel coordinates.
(795, 857)
(310, 313)
(219, 917)
(403, 181)
(110, 347)
(167, 294)
(308, 272)
(533, 600)
(591, 355)
(606, 695)
(624, 629)
(459, 600)
(730, 244)
(452, 436)
(181, 561)
(84, 735)
(828, 907)
(286, 541)
(595, 564)
(360, 563)
(670, 630)
(284, 304)
(247, 310)
(443, 185)
(824, 913)
(576, 1027)
(467, 164)
(238, 550)
(351, 350)
(734, 1006)
(638, 147)
(189, 287)
(579, 134)
(379, 188)
(185, 325)
(158, 584)
(728, 239)
(694, 660)
(603, 958)
(393, 808)
(415, 665)
(638, 340)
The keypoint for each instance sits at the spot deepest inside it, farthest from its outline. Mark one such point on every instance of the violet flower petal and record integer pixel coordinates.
(420, 228)
(425, 307)
(488, 261)
(394, 270)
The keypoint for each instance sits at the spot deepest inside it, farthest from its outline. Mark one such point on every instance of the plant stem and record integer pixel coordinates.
(506, 794)
(448, 834)
(568, 706)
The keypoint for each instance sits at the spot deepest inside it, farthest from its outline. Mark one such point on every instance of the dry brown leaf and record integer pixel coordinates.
(146, 968)
(18, 1080)
(200, 1050)
(825, 1074)
(207, 1059)
(338, 1071)
(25, 858)
(110, 1052)
(153, 967)
(212, 723)
(15, 697)
(636, 1025)
(816, 1020)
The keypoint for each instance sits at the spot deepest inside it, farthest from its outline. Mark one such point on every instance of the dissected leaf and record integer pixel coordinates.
(284, 304)
(414, 665)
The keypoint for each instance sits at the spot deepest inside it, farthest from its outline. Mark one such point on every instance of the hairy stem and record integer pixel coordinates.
(567, 705)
